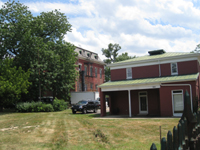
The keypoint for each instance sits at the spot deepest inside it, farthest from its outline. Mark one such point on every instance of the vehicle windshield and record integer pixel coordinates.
(82, 102)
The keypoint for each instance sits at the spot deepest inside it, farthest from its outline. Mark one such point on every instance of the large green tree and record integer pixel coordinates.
(111, 54)
(13, 82)
(38, 43)
(197, 49)
(123, 56)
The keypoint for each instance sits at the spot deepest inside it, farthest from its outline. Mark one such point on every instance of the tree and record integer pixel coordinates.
(13, 82)
(111, 54)
(123, 56)
(197, 49)
(38, 43)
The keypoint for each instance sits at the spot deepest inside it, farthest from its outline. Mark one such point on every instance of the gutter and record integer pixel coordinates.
(182, 85)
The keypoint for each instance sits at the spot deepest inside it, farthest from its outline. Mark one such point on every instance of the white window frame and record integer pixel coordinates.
(174, 73)
(177, 114)
(127, 73)
(146, 95)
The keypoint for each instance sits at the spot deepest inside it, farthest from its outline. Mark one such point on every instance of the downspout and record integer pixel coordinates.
(159, 68)
(182, 85)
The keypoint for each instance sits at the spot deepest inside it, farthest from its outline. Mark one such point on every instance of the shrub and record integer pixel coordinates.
(59, 105)
(34, 107)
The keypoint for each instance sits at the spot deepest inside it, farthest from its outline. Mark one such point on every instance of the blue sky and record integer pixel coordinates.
(137, 26)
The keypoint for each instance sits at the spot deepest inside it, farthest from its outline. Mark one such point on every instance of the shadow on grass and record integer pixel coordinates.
(7, 111)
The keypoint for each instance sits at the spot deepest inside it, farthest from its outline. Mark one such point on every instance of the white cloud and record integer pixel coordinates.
(137, 26)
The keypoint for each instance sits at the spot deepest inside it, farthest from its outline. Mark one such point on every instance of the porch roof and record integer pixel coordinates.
(168, 79)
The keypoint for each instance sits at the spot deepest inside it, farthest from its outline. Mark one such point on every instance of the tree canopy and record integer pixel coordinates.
(37, 43)
(112, 56)
(197, 49)
(13, 82)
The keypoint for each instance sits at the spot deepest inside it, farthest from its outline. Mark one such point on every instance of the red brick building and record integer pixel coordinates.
(91, 71)
(152, 85)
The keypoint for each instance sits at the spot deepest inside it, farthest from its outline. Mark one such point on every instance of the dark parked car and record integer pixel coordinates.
(85, 105)
(47, 99)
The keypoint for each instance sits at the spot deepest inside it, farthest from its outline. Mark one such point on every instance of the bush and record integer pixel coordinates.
(34, 107)
(59, 105)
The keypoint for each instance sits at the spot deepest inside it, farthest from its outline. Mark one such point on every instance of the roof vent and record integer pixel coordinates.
(156, 52)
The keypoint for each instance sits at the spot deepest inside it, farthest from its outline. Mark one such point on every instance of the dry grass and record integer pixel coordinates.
(63, 130)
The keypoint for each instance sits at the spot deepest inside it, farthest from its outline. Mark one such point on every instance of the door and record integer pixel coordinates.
(143, 103)
(178, 104)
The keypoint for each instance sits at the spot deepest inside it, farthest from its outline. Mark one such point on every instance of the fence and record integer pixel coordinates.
(186, 136)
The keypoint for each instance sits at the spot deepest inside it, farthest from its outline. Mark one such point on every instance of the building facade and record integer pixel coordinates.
(152, 85)
(91, 71)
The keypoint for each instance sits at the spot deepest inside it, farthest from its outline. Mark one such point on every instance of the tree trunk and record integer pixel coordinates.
(1, 108)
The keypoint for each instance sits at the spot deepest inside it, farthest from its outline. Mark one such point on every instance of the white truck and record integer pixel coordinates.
(77, 96)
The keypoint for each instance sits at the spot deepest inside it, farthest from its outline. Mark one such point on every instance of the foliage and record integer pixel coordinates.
(112, 56)
(34, 107)
(111, 52)
(59, 105)
(123, 56)
(13, 82)
(197, 49)
(37, 43)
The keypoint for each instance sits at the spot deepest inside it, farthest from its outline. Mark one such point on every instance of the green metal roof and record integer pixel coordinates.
(152, 80)
(148, 57)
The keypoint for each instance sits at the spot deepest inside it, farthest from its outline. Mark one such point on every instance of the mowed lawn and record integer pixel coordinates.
(64, 130)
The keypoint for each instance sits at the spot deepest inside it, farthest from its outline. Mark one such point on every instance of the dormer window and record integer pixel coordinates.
(96, 57)
(88, 54)
(80, 52)
(128, 73)
(174, 69)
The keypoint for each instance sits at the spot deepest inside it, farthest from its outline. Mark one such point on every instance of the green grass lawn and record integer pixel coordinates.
(64, 130)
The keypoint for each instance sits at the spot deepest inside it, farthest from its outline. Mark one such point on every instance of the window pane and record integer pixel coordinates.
(85, 70)
(129, 73)
(90, 71)
(178, 103)
(95, 72)
(100, 73)
(174, 67)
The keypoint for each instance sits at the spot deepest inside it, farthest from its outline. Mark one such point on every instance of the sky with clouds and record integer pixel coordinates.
(136, 25)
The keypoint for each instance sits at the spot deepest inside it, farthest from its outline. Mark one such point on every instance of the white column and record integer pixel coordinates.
(129, 100)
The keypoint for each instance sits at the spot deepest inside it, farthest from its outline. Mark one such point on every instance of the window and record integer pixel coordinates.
(85, 68)
(96, 87)
(96, 72)
(80, 87)
(91, 70)
(79, 67)
(128, 73)
(178, 104)
(100, 72)
(174, 69)
(91, 86)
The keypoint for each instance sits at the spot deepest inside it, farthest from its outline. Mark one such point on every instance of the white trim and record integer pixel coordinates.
(176, 114)
(130, 87)
(149, 62)
(143, 112)
(174, 73)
